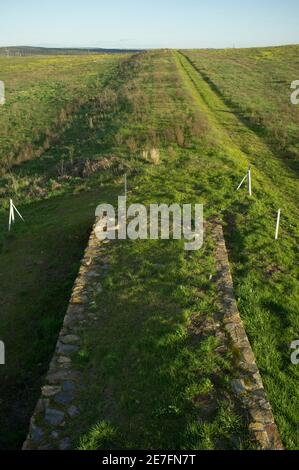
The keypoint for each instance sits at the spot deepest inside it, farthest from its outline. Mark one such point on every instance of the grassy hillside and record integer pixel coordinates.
(256, 84)
(58, 209)
(23, 51)
(42, 94)
(207, 169)
(155, 117)
(151, 372)
(265, 273)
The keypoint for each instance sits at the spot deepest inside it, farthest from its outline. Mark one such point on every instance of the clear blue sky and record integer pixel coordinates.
(149, 24)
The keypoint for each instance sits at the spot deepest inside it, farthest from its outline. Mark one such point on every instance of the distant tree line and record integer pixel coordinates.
(20, 51)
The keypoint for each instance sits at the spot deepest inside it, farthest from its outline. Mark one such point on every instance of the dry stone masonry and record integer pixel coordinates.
(248, 387)
(58, 403)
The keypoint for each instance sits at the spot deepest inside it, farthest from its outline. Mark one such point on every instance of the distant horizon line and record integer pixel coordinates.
(86, 48)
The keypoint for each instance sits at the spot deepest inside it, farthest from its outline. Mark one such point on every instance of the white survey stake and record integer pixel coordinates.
(12, 210)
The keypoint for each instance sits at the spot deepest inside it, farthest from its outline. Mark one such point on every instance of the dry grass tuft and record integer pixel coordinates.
(155, 156)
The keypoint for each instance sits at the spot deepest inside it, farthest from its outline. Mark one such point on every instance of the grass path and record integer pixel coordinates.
(265, 273)
(156, 375)
(152, 373)
(239, 139)
(122, 359)
(255, 84)
(39, 261)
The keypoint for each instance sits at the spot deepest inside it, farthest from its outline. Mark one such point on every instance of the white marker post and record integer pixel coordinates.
(242, 182)
(2, 93)
(126, 188)
(277, 224)
(249, 181)
(12, 209)
(2, 353)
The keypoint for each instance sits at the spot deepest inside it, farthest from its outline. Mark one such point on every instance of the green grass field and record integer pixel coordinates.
(183, 126)
(256, 85)
(42, 94)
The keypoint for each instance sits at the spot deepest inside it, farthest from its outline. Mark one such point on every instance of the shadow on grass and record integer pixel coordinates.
(38, 264)
(286, 157)
(150, 363)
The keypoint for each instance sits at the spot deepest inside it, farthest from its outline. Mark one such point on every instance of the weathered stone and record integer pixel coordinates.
(68, 386)
(264, 405)
(65, 444)
(273, 435)
(247, 367)
(50, 390)
(64, 398)
(230, 318)
(258, 380)
(53, 364)
(247, 355)
(93, 274)
(27, 444)
(79, 285)
(63, 360)
(40, 406)
(244, 385)
(262, 439)
(55, 434)
(238, 386)
(261, 416)
(62, 375)
(37, 433)
(73, 411)
(69, 339)
(53, 416)
(66, 348)
(70, 322)
(78, 289)
(256, 427)
(75, 310)
(258, 395)
(64, 365)
(248, 386)
(65, 331)
(79, 299)
(237, 334)
(221, 349)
